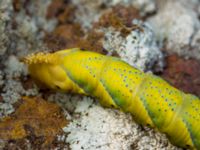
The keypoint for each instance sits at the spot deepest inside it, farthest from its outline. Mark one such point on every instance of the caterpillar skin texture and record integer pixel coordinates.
(150, 99)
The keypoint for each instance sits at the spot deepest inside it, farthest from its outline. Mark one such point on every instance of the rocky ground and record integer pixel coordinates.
(152, 35)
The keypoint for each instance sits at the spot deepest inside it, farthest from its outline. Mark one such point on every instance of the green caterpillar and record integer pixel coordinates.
(150, 99)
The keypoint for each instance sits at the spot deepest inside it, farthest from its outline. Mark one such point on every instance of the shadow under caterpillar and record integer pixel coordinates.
(150, 99)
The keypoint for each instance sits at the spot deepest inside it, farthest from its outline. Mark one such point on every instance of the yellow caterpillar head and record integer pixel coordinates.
(47, 70)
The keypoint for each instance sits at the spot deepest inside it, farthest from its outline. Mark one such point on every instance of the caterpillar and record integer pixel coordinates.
(152, 101)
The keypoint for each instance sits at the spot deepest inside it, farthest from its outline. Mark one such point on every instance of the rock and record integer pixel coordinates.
(177, 23)
(138, 48)
(95, 127)
(89, 12)
(5, 17)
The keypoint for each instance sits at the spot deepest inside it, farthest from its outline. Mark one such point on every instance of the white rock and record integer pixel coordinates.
(5, 16)
(88, 11)
(176, 22)
(139, 48)
(98, 128)
(14, 68)
(6, 109)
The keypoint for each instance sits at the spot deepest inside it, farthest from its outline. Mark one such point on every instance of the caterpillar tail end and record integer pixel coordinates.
(41, 58)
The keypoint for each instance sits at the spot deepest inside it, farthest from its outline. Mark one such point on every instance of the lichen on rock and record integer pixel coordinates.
(33, 117)
(139, 48)
(94, 127)
(5, 17)
(88, 12)
(177, 27)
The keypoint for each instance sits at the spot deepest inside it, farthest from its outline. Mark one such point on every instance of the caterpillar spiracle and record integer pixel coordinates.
(151, 100)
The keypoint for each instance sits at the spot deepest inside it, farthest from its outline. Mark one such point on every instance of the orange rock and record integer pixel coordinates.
(33, 117)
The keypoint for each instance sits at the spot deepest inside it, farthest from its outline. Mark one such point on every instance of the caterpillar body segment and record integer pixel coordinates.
(150, 99)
